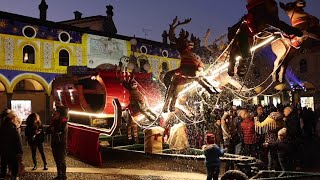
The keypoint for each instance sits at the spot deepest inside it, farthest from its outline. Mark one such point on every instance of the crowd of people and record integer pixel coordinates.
(11, 151)
(274, 135)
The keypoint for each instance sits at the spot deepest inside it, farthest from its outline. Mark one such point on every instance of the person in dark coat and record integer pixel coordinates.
(308, 121)
(11, 147)
(59, 130)
(294, 133)
(212, 155)
(217, 131)
(35, 136)
(230, 124)
(262, 152)
(292, 123)
(284, 150)
(3, 114)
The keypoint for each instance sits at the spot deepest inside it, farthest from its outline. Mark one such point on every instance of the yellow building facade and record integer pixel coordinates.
(33, 52)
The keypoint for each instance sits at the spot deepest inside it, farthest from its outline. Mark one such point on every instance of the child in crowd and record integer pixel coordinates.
(284, 150)
(212, 153)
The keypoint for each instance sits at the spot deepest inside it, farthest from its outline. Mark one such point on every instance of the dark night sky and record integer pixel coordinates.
(132, 16)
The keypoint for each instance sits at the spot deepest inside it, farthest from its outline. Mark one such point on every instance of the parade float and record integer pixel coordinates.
(109, 103)
(99, 99)
(104, 106)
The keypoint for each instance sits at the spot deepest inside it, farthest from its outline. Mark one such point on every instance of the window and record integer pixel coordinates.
(143, 49)
(64, 37)
(29, 32)
(144, 65)
(20, 85)
(303, 66)
(164, 67)
(165, 53)
(63, 58)
(28, 55)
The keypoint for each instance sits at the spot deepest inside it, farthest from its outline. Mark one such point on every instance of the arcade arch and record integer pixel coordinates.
(29, 93)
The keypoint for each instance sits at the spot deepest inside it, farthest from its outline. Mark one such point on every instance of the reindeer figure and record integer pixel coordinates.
(300, 19)
(261, 15)
(190, 67)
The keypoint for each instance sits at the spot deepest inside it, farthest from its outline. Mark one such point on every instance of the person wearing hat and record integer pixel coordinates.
(212, 153)
(284, 150)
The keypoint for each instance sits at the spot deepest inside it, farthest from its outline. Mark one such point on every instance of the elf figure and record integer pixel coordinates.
(138, 107)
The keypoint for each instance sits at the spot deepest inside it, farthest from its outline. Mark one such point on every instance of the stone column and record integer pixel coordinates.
(47, 109)
(9, 98)
(296, 98)
(316, 99)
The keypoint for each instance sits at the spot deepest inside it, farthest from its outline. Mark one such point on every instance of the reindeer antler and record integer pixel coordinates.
(173, 26)
(206, 37)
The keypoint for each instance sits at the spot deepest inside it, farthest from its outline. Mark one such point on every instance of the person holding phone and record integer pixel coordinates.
(35, 137)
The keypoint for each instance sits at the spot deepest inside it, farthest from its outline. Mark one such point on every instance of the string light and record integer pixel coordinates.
(262, 43)
(98, 115)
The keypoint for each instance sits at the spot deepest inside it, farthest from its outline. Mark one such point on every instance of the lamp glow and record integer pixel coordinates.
(238, 58)
(93, 78)
(59, 94)
(25, 58)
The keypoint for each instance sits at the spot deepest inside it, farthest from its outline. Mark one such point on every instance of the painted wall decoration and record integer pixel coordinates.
(103, 50)
(175, 65)
(47, 43)
(8, 50)
(47, 55)
(157, 55)
(155, 66)
(156, 50)
(79, 56)
(42, 32)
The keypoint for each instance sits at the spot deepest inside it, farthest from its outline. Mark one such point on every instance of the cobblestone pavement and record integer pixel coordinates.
(113, 169)
(127, 166)
(88, 176)
(71, 161)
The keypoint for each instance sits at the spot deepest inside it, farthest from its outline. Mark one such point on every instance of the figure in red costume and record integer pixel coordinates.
(191, 67)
